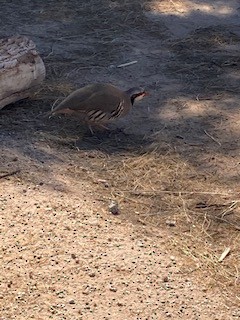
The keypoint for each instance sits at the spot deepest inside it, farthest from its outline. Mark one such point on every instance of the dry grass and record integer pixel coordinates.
(161, 189)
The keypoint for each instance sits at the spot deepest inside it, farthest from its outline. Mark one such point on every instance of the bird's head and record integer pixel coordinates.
(136, 94)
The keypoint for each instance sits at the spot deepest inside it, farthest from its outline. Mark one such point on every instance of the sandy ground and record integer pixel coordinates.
(173, 168)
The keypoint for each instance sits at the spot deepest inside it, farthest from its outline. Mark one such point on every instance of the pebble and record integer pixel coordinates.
(73, 256)
(171, 223)
(71, 301)
(92, 274)
(113, 207)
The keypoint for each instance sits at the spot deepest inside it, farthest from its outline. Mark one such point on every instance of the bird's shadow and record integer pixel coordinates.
(112, 141)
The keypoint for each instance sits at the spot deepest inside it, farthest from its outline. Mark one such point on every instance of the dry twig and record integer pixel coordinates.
(9, 174)
(126, 64)
(210, 136)
(224, 254)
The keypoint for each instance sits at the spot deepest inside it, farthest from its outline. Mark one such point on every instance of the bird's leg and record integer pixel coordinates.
(91, 130)
(99, 125)
(103, 126)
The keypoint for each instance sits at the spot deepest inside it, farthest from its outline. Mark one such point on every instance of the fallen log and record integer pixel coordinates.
(21, 69)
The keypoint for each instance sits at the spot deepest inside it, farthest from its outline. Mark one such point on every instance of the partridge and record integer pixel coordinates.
(99, 103)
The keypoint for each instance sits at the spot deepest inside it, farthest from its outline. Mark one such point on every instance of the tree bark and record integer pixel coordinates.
(21, 69)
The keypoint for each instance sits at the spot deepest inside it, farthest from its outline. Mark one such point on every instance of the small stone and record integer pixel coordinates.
(59, 187)
(92, 274)
(71, 301)
(73, 256)
(165, 279)
(113, 207)
(140, 244)
(171, 223)
(104, 182)
(60, 294)
(113, 289)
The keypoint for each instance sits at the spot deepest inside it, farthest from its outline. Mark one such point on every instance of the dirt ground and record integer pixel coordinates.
(173, 168)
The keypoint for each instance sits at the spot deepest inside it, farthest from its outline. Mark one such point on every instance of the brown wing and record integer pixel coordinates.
(89, 96)
(76, 100)
(98, 101)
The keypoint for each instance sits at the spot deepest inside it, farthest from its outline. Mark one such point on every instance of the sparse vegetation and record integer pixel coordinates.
(173, 168)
